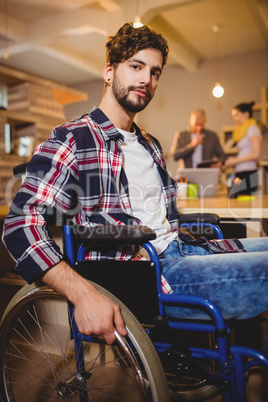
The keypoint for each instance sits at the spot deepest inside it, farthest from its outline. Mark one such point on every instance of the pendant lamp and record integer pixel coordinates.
(137, 21)
(218, 90)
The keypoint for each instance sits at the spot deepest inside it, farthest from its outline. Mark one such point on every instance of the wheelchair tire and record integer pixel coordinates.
(37, 359)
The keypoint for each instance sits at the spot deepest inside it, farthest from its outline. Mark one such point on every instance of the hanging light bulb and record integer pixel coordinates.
(218, 90)
(137, 21)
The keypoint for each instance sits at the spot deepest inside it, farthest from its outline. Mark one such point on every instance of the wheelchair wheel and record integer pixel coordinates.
(37, 356)
(191, 389)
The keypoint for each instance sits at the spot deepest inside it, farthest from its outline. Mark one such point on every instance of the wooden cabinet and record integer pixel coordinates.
(261, 108)
(35, 107)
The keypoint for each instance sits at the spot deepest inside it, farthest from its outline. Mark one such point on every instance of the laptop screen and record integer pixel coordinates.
(206, 178)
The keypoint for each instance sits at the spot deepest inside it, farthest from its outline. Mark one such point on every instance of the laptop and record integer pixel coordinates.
(206, 178)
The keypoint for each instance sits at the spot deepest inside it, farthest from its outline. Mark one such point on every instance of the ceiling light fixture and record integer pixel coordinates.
(218, 90)
(137, 21)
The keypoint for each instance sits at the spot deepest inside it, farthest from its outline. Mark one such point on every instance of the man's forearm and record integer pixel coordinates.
(66, 281)
(94, 313)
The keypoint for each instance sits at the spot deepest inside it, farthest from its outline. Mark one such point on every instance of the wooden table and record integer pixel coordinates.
(252, 212)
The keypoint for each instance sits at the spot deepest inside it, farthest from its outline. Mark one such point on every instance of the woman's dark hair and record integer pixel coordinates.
(245, 107)
(129, 40)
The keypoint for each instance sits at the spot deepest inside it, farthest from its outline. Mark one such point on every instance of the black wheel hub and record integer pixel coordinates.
(71, 386)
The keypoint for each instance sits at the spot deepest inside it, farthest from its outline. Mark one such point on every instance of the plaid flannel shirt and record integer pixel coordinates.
(77, 171)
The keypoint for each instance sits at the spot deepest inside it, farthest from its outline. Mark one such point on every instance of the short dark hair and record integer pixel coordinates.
(245, 107)
(129, 40)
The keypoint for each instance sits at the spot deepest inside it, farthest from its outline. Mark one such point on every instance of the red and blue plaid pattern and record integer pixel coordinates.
(77, 171)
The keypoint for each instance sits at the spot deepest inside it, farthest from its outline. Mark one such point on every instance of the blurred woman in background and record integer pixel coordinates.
(247, 138)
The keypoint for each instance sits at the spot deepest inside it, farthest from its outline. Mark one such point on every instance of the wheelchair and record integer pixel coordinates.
(43, 357)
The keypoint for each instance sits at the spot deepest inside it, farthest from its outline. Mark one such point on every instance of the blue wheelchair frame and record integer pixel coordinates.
(201, 221)
(232, 366)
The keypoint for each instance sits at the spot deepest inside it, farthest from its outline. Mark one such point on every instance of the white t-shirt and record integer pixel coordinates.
(146, 196)
(244, 148)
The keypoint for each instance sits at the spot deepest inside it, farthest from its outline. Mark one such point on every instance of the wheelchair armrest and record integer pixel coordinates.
(20, 170)
(213, 219)
(113, 234)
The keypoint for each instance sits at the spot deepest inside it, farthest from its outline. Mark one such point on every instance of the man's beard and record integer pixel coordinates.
(121, 94)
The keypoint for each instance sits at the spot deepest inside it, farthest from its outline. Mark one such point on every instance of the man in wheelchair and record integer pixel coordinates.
(102, 169)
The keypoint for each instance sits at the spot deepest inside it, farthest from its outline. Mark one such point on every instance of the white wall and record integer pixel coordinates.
(180, 92)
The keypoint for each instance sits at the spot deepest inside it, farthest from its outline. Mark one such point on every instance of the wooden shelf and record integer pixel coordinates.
(262, 107)
(62, 93)
(40, 109)
(47, 123)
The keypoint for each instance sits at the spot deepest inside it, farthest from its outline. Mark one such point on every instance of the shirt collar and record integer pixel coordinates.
(110, 132)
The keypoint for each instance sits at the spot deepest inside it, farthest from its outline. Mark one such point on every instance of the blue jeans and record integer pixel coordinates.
(237, 282)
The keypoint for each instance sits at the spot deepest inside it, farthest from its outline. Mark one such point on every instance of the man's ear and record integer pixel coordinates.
(108, 73)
